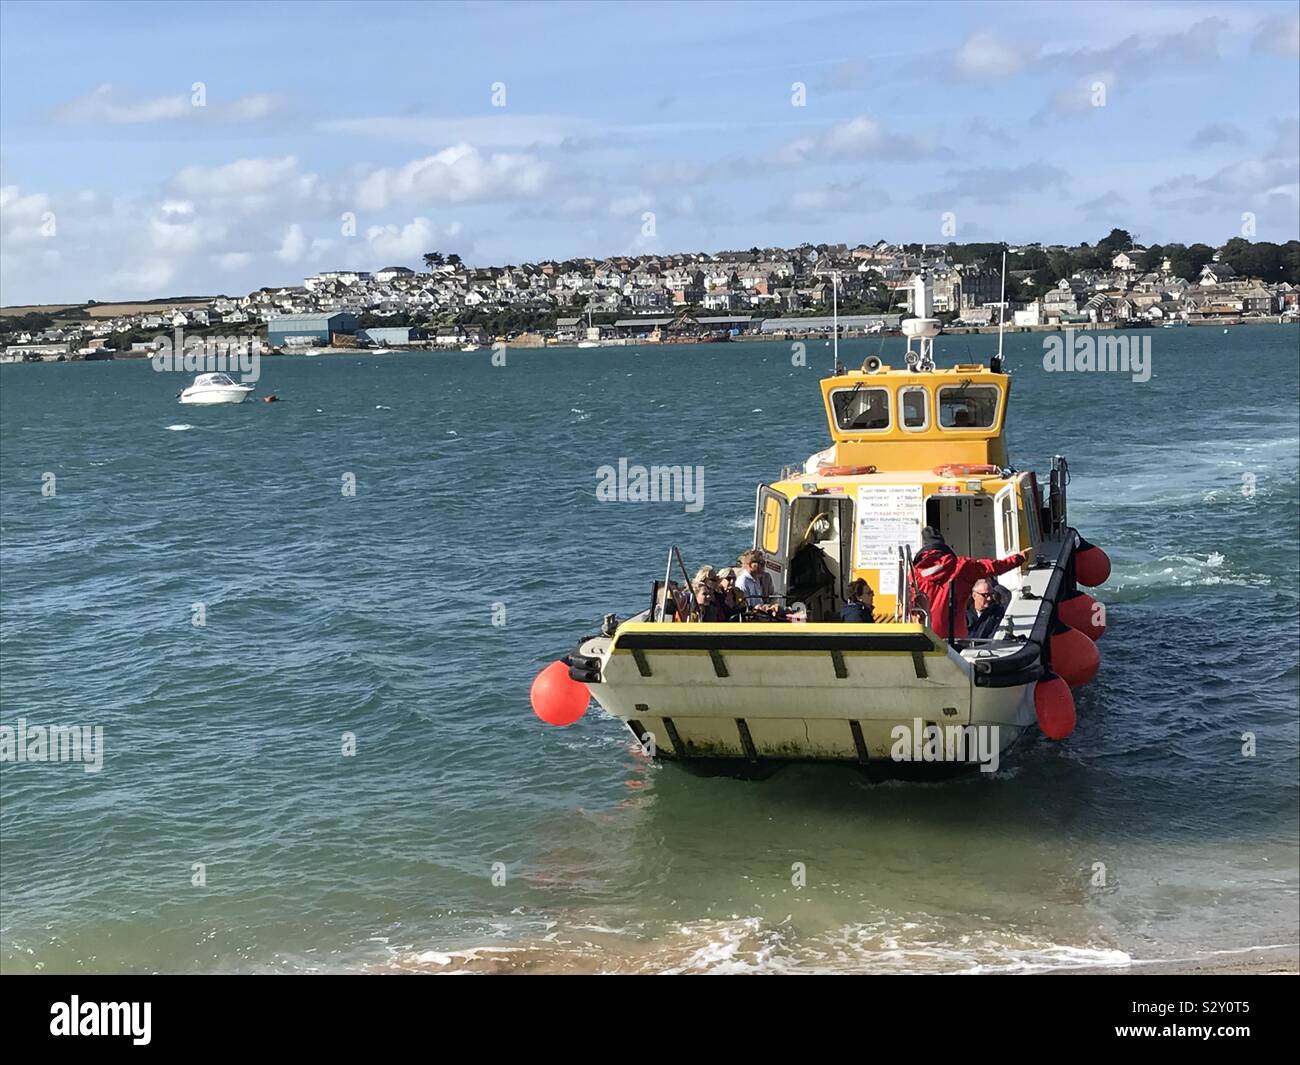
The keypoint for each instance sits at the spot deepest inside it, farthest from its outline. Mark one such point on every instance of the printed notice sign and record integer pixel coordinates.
(889, 517)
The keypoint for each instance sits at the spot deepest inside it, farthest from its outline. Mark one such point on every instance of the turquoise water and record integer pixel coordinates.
(373, 615)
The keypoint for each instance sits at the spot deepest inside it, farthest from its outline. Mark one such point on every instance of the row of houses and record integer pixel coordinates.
(1218, 293)
(757, 283)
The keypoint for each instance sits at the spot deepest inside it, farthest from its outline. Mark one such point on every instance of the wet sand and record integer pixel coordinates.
(1258, 961)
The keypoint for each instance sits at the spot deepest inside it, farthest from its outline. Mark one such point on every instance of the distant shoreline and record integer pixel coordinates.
(630, 342)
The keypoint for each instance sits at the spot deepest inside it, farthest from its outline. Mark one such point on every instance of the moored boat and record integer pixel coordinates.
(213, 388)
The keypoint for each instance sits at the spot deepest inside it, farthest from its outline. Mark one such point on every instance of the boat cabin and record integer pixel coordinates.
(911, 448)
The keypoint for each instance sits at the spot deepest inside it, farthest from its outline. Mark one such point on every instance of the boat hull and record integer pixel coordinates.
(210, 397)
(746, 698)
(748, 694)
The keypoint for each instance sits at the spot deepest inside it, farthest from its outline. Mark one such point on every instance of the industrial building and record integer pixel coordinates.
(389, 336)
(290, 329)
(849, 323)
(736, 325)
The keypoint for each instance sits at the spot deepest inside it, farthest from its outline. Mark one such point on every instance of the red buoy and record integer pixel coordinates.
(1074, 656)
(1091, 564)
(1054, 707)
(557, 698)
(1081, 611)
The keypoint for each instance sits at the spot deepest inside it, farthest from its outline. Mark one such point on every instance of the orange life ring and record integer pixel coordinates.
(965, 471)
(844, 471)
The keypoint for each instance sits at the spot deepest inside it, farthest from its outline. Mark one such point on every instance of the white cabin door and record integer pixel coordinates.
(1008, 523)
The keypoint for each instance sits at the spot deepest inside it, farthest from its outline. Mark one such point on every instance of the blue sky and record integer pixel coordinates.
(332, 135)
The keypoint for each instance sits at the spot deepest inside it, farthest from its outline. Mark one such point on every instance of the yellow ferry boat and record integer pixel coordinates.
(911, 448)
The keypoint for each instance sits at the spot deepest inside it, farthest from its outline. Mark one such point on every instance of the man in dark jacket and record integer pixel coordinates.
(946, 580)
(984, 614)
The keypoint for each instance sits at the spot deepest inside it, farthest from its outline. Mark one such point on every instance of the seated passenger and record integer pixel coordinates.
(984, 614)
(708, 604)
(857, 611)
(675, 603)
(945, 578)
(753, 581)
(731, 597)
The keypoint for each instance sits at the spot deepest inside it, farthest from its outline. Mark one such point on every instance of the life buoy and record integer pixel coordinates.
(844, 471)
(965, 471)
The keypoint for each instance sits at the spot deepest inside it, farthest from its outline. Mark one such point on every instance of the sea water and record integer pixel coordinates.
(307, 630)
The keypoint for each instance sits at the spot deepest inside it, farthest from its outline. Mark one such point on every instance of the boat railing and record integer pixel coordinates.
(1057, 503)
(661, 607)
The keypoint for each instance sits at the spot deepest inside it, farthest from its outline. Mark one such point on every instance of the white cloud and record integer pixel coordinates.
(459, 174)
(633, 203)
(240, 178)
(254, 186)
(503, 130)
(986, 55)
(23, 218)
(175, 238)
(107, 106)
(149, 277)
(293, 245)
(1218, 133)
(1092, 92)
(858, 138)
(232, 260)
(813, 203)
(1279, 35)
(408, 243)
(1109, 207)
(1261, 185)
(995, 185)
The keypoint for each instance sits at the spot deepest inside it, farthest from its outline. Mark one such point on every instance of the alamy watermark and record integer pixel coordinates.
(53, 743)
(628, 483)
(121, 1019)
(209, 354)
(928, 742)
(1125, 353)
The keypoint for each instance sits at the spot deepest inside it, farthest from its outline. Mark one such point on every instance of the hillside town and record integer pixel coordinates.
(772, 293)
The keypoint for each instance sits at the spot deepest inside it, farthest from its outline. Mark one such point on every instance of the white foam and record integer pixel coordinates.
(1182, 571)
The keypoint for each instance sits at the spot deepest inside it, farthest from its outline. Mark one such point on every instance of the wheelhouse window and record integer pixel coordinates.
(914, 403)
(861, 408)
(969, 406)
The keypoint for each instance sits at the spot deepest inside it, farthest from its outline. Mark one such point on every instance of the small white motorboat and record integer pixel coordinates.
(210, 388)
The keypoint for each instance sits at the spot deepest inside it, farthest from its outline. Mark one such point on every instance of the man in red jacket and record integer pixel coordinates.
(946, 580)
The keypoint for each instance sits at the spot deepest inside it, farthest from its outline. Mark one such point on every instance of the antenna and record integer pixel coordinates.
(1002, 307)
(835, 313)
